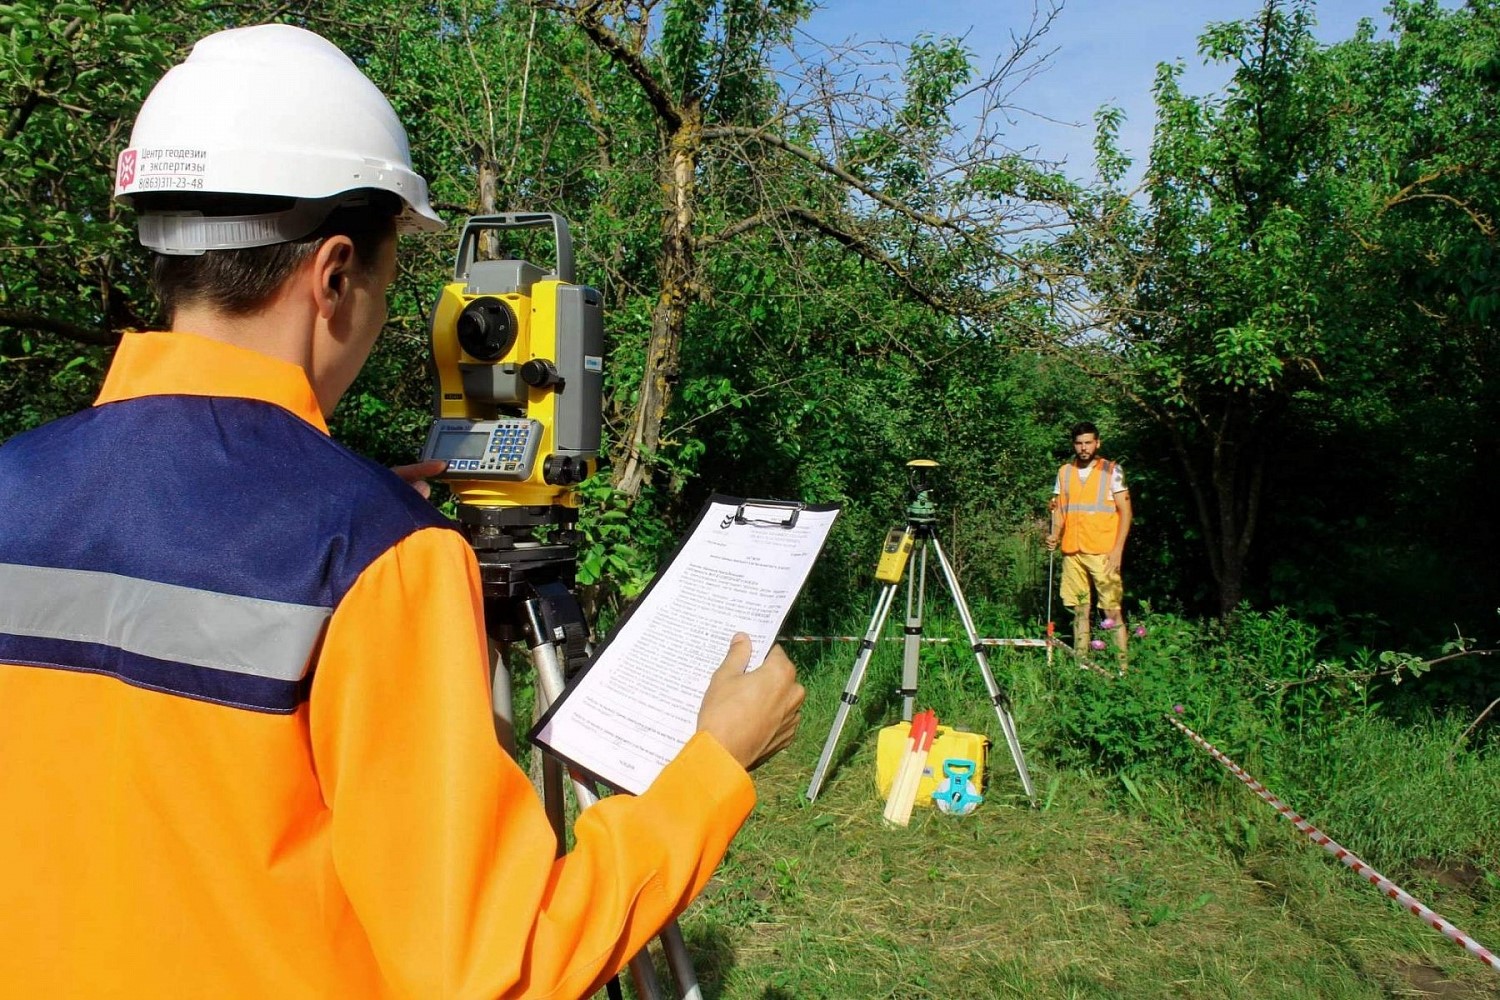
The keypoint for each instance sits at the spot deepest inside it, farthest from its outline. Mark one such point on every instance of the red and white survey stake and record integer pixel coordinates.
(1379, 881)
(903, 797)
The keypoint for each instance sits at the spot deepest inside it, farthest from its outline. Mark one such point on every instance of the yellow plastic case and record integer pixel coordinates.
(949, 743)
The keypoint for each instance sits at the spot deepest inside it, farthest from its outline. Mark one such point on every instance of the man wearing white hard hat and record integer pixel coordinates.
(245, 737)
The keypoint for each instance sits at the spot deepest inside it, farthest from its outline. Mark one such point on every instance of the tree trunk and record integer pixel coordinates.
(1230, 579)
(637, 454)
(1225, 474)
(489, 202)
(1239, 505)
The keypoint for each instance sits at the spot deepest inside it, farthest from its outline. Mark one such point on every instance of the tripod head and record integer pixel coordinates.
(518, 571)
(920, 507)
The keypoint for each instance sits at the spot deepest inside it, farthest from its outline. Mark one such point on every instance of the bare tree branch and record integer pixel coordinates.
(589, 17)
(93, 336)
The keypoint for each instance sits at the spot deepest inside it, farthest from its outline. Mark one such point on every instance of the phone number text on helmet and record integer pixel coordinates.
(168, 182)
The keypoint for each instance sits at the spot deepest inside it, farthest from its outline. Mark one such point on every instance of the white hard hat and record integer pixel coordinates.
(270, 110)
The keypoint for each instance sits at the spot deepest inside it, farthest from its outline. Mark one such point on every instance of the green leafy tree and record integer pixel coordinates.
(70, 76)
(747, 170)
(1235, 308)
(1426, 393)
(806, 283)
(1311, 281)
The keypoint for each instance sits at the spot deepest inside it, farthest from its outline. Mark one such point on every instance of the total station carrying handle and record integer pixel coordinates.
(468, 241)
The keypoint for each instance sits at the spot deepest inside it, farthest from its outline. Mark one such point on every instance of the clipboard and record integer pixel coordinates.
(739, 568)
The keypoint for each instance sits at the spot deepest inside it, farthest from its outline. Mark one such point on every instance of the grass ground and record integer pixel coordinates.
(1100, 892)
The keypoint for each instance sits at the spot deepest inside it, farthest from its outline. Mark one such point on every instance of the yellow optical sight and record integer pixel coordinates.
(518, 366)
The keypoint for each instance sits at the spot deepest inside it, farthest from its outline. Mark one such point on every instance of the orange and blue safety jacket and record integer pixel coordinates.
(246, 747)
(1090, 516)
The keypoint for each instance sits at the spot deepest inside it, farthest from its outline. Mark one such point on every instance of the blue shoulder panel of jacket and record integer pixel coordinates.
(188, 544)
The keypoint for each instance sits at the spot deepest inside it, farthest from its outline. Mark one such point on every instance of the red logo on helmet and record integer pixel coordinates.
(126, 173)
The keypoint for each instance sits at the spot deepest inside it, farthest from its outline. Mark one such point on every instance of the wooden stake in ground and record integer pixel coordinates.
(903, 796)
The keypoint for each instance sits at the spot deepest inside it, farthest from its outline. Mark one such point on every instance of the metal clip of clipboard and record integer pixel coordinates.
(793, 507)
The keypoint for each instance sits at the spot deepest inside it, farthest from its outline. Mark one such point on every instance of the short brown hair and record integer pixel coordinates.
(238, 282)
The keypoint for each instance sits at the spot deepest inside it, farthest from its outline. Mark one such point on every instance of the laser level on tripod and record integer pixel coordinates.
(902, 543)
(517, 365)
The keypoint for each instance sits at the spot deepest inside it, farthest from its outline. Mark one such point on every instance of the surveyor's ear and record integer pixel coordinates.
(330, 273)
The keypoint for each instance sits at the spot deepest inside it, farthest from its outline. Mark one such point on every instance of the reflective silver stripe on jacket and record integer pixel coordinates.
(243, 635)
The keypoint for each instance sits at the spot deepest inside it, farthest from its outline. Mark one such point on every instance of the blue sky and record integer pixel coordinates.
(1104, 51)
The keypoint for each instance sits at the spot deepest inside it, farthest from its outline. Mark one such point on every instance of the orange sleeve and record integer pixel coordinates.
(440, 841)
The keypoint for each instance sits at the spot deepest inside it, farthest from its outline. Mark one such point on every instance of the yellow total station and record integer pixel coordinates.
(517, 357)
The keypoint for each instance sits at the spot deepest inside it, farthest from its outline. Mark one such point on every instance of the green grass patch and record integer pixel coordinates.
(1164, 878)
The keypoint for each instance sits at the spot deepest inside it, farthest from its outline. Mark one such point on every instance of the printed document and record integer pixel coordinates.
(629, 711)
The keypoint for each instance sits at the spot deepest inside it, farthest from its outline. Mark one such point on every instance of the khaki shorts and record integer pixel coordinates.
(1081, 568)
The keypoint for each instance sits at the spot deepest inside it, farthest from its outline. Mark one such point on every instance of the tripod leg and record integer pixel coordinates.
(851, 689)
(997, 695)
(683, 973)
(500, 700)
(911, 642)
(553, 797)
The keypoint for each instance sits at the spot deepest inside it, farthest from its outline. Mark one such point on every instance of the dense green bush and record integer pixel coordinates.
(1315, 730)
(1240, 682)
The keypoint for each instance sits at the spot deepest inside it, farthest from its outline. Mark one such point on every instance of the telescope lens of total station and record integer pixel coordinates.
(486, 328)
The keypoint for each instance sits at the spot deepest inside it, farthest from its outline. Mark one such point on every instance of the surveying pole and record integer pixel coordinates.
(916, 537)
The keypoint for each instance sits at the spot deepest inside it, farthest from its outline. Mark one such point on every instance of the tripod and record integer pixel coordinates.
(528, 596)
(917, 536)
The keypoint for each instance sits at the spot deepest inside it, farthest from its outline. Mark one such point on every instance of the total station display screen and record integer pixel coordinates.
(460, 444)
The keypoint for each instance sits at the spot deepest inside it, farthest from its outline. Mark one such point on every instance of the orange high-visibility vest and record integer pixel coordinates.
(1090, 517)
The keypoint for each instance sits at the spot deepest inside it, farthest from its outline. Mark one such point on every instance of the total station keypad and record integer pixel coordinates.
(507, 448)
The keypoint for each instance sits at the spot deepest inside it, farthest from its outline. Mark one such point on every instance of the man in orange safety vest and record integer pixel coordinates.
(1091, 518)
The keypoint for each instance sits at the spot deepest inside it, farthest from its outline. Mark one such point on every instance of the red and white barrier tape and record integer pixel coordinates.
(897, 638)
(1379, 881)
(1082, 663)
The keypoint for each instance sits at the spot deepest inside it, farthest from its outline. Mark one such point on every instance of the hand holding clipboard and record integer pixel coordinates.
(629, 711)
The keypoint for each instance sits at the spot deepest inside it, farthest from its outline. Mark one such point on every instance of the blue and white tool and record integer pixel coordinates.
(956, 793)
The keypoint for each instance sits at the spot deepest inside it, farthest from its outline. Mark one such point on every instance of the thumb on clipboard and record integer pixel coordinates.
(753, 715)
